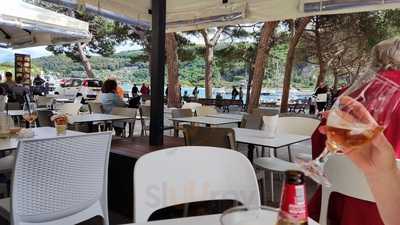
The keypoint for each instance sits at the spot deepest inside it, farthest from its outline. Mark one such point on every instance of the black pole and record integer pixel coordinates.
(157, 71)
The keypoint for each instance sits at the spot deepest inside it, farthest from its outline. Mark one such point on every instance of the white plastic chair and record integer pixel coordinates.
(178, 175)
(206, 111)
(43, 101)
(78, 100)
(191, 105)
(61, 180)
(125, 112)
(346, 179)
(297, 125)
(71, 108)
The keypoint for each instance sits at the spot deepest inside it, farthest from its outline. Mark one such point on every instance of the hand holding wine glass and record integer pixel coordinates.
(373, 156)
(358, 117)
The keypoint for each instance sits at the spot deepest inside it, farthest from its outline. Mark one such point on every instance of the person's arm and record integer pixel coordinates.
(380, 168)
(377, 161)
(118, 101)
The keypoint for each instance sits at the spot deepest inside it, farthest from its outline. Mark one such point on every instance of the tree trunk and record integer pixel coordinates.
(174, 98)
(209, 57)
(322, 70)
(335, 80)
(85, 61)
(259, 65)
(289, 63)
(250, 71)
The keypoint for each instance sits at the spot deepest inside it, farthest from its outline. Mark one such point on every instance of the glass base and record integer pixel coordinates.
(314, 170)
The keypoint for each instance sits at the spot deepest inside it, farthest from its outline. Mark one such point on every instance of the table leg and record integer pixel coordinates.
(90, 126)
(250, 152)
(272, 186)
(131, 129)
(290, 153)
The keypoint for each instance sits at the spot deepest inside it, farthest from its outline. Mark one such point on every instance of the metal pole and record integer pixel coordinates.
(157, 71)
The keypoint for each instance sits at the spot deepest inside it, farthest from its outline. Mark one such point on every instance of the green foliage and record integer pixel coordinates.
(230, 66)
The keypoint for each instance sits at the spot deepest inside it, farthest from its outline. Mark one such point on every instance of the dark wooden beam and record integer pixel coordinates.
(157, 61)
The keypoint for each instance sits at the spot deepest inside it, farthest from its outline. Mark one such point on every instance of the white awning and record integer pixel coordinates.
(184, 15)
(25, 25)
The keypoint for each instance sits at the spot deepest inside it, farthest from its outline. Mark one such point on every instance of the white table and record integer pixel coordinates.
(208, 121)
(97, 117)
(21, 112)
(227, 116)
(64, 100)
(40, 133)
(259, 138)
(210, 220)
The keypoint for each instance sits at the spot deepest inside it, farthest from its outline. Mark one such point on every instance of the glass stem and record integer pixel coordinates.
(321, 159)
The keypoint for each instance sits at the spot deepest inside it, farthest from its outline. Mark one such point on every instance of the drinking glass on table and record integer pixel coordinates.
(356, 118)
(30, 113)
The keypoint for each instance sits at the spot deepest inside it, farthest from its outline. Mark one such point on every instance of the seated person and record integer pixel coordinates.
(109, 100)
(18, 92)
(134, 102)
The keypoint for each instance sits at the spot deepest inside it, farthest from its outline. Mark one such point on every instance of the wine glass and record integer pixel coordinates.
(356, 118)
(30, 113)
(244, 215)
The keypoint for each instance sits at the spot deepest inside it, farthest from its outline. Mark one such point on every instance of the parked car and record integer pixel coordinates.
(51, 82)
(88, 88)
(91, 88)
(69, 88)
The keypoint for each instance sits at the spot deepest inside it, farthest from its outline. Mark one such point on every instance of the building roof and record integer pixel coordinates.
(184, 15)
(25, 25)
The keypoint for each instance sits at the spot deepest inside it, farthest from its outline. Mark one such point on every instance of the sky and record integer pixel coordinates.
(7, 55)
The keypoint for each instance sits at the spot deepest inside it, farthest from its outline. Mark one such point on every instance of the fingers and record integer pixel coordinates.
(357, 110)
(322, 129)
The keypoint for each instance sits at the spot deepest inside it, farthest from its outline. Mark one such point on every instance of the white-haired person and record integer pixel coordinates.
(344, 210)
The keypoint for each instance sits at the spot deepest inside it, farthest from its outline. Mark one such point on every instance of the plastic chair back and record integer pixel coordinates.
(123, 111)
(297, 125)
(206, 111)
(13, 106)
(251, 121)
(191, 174)
(209, 136)
(191, 105)
(95, 107)
(71, 108)
(61, 180)
(179, 113)
(346, 179)
(43, 101)
(44, 118)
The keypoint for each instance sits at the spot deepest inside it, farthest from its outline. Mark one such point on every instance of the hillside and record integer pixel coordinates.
(126, 66)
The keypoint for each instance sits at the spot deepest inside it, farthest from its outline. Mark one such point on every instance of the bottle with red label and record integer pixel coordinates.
(293, 209)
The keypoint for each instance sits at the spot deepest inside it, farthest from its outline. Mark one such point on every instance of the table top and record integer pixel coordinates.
(206, 120)
(40, 133)
(259, 138)
(97, 117)
(67, 100)
(21, 112)
(227, 116)
(210, 220)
